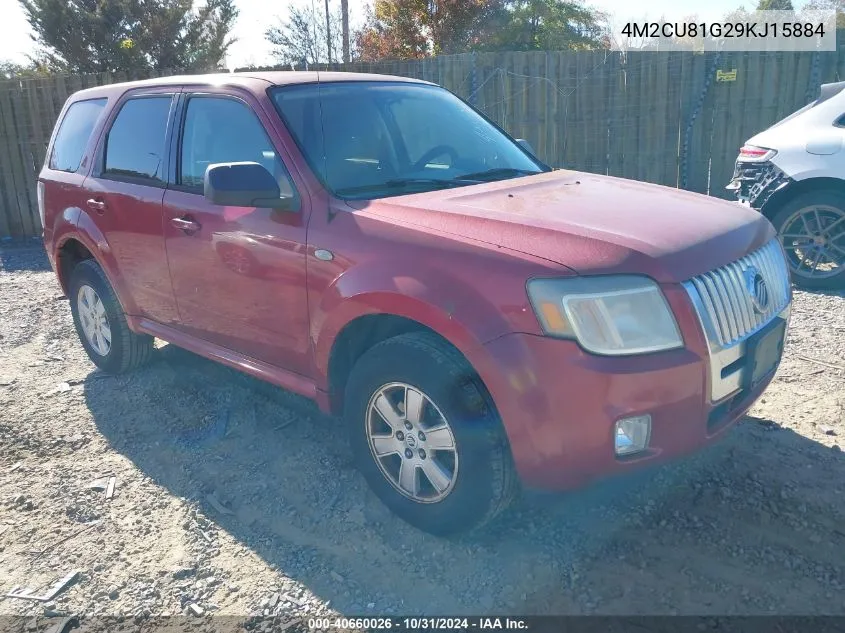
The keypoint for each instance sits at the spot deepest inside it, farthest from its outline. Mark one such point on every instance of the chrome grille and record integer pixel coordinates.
(724, 301)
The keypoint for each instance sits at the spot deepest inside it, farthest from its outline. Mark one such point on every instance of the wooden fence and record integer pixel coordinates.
(676, 118)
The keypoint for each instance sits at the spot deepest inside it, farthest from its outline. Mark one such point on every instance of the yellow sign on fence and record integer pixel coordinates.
(726, 75)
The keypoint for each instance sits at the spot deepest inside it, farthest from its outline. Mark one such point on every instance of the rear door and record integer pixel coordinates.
(238, 273)
(124, 194)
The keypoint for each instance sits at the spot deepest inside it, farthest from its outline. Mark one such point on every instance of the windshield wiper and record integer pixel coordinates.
(496, 173)
(397, 183)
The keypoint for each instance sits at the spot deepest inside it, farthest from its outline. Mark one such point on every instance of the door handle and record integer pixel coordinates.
(97, 205)
(186, 224)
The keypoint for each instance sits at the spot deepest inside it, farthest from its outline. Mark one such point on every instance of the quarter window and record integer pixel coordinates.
(135, 147)
(74, 132)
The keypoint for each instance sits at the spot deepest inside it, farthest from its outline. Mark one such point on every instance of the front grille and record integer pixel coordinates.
(723, 297)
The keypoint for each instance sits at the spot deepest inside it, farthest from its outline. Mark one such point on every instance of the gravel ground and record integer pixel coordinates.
(234, 497)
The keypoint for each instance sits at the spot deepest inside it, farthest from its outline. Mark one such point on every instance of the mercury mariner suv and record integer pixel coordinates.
(477, 319)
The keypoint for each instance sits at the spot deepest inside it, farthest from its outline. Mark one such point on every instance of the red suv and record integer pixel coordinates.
(376, 244)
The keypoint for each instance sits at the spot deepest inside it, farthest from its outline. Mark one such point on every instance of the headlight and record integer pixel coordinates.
(613, 315)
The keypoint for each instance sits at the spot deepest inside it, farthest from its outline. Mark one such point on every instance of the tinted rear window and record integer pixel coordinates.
(135, 144)
(74, 132)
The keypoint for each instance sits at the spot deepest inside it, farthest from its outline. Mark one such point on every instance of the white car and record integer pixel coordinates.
(794, 174)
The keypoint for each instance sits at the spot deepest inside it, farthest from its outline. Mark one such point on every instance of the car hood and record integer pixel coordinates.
(591, 224)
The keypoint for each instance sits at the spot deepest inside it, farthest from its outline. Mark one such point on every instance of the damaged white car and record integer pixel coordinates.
(794, 174)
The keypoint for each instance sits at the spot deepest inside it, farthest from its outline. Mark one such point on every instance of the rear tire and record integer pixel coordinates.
(101, 324)
(463, 473)
(816, 221)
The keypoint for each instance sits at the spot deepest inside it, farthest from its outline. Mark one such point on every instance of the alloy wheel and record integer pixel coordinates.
(94, 320)
(412, 442)
(814, 241)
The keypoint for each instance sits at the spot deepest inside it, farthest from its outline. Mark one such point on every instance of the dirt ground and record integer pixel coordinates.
(234, 497)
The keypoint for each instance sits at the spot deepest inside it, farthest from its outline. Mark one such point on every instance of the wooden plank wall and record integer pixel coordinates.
(657, 117)
(28, 112)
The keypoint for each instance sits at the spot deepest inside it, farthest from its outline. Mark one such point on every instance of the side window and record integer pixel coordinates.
(73, 134)
(222, 130)
(135, 145)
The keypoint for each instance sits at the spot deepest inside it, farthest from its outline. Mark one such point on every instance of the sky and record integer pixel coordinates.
(256, 15)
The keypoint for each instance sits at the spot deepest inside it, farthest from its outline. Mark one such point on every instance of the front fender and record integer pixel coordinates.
(445, 304)
(802, 165)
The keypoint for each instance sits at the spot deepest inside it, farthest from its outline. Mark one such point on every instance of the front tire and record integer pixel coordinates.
(811, 228)
(426, 436)
(101, 324)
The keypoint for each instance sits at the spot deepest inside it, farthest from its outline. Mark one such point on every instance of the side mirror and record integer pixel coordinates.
(526, 146)
(244, 184)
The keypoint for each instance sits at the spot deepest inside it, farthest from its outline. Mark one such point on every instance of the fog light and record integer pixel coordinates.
(632, 434)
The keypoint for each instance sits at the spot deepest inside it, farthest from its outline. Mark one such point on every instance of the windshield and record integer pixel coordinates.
(377, 139)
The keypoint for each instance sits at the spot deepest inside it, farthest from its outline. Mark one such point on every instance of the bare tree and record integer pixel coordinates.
(836, 5)
(305, 36)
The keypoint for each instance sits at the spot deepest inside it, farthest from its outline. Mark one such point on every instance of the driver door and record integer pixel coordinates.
(238, 273)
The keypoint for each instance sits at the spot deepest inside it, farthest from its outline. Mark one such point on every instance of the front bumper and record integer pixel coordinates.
(560, 404)
(756, 183)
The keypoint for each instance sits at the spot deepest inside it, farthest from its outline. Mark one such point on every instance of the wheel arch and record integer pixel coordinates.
(362, 333)
(68, 255)
(75, 247)
(793, 199)
(357, 337)
(798, 188)
(384, 298)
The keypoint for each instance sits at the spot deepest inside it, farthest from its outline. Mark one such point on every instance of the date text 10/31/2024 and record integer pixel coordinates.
(417, 624)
